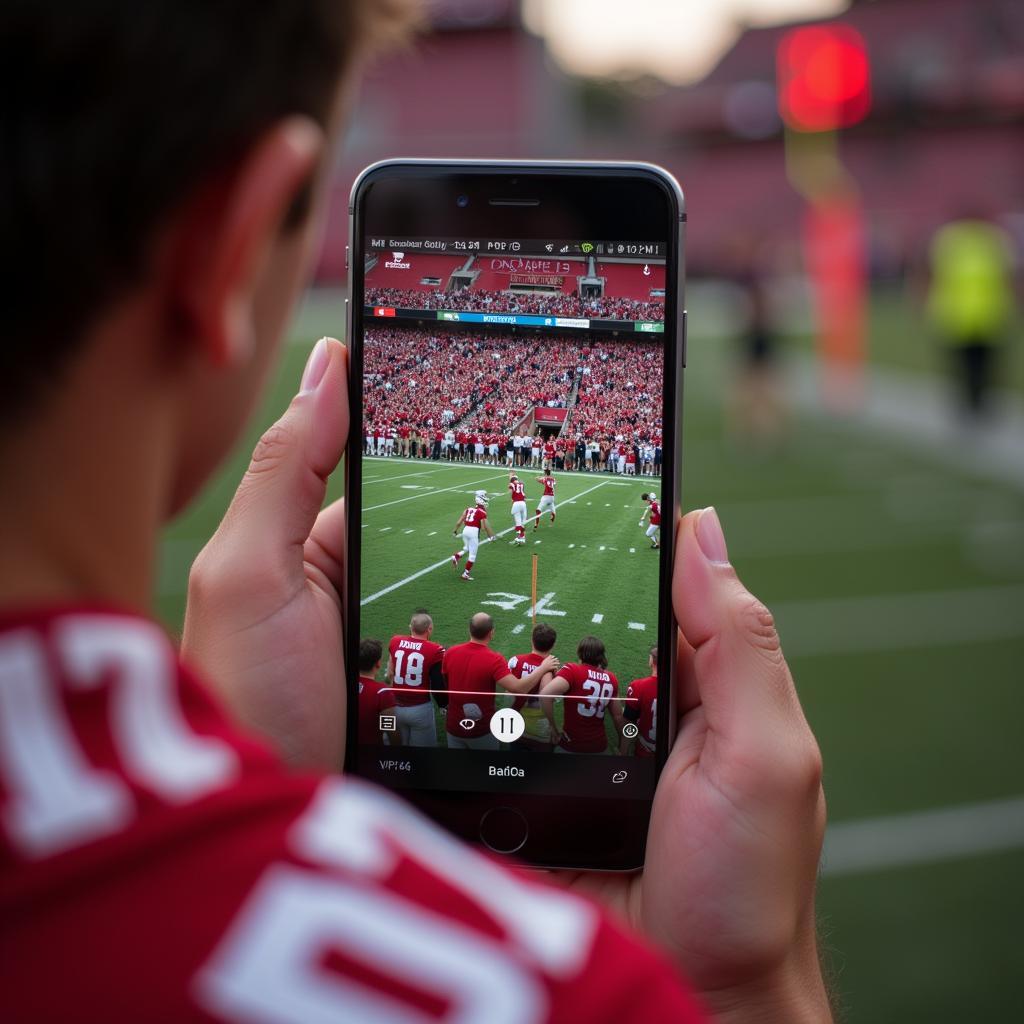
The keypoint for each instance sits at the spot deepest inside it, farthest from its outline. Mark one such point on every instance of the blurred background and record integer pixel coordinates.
(854, 174)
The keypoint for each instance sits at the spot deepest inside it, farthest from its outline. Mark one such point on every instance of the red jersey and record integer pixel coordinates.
(472, 669)
(549, 485)
(374, 699)
(518, 490)
(655, 514)
(411, 662)
(592, 689)
(549, 451)
(521, 665)
(157, 864)
(475, 516)
(645, 691)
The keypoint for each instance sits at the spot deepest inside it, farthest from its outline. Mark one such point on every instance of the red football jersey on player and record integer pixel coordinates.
(549, 485)
(521, 665)
(655, 513)
(374, 699)
(517, 490)
(645, 691)
(411, 662)
(592, 688)
(156, 864)
(475, 516)
(473, 669)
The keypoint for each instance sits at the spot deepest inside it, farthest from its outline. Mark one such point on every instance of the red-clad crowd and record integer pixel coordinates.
(458, 395)
(531, 303)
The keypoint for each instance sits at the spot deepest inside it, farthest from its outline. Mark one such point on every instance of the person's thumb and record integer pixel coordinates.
(276, 504)
(737, 667)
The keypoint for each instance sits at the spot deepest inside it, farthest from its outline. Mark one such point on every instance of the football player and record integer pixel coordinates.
(414, 670)
(547, 500)
(654, 511)
(375, 698)
(471, 521)
(642, 709)
(592, 691)
(517, 491)
(538, 734)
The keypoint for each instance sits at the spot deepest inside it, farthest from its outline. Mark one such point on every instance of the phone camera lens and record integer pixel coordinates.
(462, 202)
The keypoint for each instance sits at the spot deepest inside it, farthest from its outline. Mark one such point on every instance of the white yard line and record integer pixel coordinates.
(440, 490)
(448, 560)
(923, 837)
(889, 622)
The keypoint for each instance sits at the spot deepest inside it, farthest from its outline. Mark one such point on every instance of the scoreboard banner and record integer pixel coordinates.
(542, 414)
(547, 280)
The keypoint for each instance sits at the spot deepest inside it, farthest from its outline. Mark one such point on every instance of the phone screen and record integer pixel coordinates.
(510, 465)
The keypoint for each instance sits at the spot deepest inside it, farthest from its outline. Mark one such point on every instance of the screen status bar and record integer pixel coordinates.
(606, 248)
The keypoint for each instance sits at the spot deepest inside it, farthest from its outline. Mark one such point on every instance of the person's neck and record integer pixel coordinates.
(83, 495)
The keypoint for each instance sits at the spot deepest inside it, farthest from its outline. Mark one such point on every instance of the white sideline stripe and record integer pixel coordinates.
(923, 837)
(890, 622)
(448, 560)
(439, 490)
(598, 618)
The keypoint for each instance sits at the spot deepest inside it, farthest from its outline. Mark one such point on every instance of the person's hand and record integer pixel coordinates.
(550, 664)
(739, 814)
(263, 620)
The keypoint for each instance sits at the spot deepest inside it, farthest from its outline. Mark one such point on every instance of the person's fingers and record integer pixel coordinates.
(736, 669)
(325, 548)
(277, 502)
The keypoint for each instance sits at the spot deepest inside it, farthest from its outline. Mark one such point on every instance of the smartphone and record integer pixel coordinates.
(517, 342)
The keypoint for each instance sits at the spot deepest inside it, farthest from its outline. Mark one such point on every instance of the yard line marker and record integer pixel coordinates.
(590, 503)
(518, 628)
(922, 837)
(444, 561)
(607, 504)
(642, 626)
(364, 526)
(572, 545)
(408, 531)
(433, 533)
(384, 529)
(598, 618)
(601, 548)
(632, 551)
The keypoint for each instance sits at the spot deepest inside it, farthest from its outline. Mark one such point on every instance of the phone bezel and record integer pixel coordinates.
(636, 201)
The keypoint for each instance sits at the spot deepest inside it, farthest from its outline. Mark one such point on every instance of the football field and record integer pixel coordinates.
(897, 578)
(596, 571)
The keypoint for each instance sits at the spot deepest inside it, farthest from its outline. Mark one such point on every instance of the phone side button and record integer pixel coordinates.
(503, 829)
(682, 337)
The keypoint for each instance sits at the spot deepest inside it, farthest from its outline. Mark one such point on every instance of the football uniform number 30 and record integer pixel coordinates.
(600, 694)
(411, 672)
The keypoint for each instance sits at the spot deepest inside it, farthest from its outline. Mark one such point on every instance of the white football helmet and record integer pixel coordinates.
(481, 498)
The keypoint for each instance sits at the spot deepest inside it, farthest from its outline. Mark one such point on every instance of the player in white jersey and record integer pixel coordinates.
(471, 522)
(517, 491)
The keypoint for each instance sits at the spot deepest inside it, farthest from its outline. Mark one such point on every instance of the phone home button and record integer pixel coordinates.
(504, 829)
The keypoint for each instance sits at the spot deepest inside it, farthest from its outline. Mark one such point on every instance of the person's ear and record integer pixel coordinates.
(227, 231)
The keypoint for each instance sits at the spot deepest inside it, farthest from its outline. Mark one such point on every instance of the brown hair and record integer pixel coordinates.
(543, 637)
(591, 652)
(369, 654)
(113, 111)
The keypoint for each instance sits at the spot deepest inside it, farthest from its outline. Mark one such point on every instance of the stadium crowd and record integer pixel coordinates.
(531, 303)
(466, 397)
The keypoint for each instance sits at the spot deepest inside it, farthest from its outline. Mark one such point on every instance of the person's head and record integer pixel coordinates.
(421, 624)
(481, 627)
(164, 164)
(652, 660)
(591, 652)
(369, 656)
(543, 638)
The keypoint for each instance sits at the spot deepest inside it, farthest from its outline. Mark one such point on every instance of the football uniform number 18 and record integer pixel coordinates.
(411, 672)
(600, 694)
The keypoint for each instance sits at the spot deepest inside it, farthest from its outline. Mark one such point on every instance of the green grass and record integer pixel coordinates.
(593, 561)
(832, 514)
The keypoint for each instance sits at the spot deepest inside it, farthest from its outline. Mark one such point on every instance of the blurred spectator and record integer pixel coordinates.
(971, 303)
